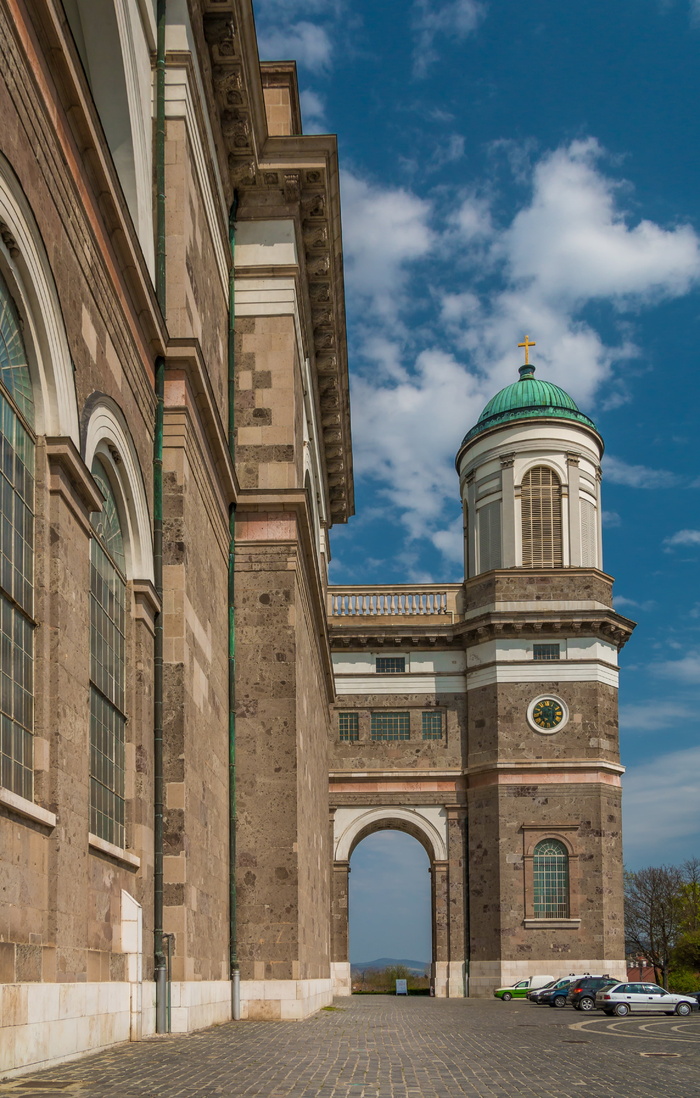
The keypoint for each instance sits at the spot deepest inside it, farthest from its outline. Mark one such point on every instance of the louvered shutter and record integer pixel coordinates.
(588, 534)
(490, 536)
(541, 519)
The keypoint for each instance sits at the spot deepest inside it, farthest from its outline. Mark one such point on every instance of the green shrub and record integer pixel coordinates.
(683, 981)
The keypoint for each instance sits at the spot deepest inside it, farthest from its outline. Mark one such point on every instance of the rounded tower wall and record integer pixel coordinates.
(502, 513)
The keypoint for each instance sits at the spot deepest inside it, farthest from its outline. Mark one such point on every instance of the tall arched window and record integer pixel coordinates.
(107, 667)
(551, 880)
(541, 519)
(16, 554)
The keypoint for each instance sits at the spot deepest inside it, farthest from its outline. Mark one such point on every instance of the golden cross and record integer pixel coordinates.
(527, 346)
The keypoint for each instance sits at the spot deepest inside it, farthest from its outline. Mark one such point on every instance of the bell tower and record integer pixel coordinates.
(541, 642)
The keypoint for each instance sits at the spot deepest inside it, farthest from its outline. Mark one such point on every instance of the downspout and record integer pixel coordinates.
(234, 970)
(158, 780)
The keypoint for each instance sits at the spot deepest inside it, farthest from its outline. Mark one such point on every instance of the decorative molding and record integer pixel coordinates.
(23, 807)
(132, 861)
(70, 477)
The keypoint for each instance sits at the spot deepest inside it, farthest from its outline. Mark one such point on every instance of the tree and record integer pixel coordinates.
(654, 914)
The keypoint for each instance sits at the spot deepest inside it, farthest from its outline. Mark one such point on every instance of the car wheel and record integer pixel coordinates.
(507, 997)
(560, 1001)
(683, 1009)
(586, 1003)
(621, 1009)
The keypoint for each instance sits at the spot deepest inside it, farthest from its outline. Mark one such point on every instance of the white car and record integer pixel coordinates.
(623, 999)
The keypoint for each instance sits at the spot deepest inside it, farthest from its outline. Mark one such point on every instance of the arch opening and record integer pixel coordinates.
(391, 907)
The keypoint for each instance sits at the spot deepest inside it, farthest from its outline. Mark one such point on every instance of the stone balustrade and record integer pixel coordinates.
(397, 600)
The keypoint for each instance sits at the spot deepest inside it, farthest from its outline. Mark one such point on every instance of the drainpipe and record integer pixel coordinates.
(158, 781)
(234, 970)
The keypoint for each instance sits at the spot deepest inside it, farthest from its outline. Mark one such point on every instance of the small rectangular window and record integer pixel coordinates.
(349, 727)
(432, 725)
(545, 651)
(390, 665)
(391, 726)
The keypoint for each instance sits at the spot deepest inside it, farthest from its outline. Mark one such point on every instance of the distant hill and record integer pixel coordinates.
(416, 967)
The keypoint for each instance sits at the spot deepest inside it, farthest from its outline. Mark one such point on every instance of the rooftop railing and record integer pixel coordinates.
(396, 600)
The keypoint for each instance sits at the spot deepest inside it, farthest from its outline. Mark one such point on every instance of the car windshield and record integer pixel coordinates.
(562, 983)
(552, 983)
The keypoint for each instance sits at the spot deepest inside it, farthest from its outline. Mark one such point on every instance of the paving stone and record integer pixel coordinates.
(384, 1047)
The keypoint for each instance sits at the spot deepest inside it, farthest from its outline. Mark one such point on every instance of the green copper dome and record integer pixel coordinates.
(527, 398)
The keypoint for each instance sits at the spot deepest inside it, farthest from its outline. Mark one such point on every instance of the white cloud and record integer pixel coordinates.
(578, 245)
(611, 518)
(649, 717)
(454, 18)
(572, 243)
(636, 476)
(620, 602)
(313, 112)
(661, 809)
(685, 670)
(306, 43)
(683, 537)
(384, 230)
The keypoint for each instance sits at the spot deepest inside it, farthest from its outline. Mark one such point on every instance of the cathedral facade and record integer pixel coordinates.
(196, 729)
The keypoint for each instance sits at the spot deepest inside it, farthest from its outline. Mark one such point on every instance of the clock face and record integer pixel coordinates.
(547, 713)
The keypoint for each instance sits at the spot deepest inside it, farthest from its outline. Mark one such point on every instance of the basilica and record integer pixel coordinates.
(196, 728)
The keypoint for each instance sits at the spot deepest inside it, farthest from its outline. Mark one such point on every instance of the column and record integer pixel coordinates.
(340, 960)
(457, 908)
(441, 929)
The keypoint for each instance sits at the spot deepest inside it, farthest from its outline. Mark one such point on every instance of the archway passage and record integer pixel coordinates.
(390, 908)
(441, 831)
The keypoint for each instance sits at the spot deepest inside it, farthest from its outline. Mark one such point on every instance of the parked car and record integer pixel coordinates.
(582, 993)
(622, 999)
(543, 994)
(535, 992)
(520, 990)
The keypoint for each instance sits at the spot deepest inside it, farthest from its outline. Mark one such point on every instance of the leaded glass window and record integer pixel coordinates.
(431, 725)
(16, 555)
(349, 727)
(390, 665)
(541, 519)
(390, 726)
(107, 677)
(551, 880)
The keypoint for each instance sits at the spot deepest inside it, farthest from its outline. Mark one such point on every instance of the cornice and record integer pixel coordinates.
(380, 632)
(289, 176)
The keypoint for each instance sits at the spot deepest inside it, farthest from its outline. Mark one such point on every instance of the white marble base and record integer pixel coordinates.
(45, 1024)
(284, 1000)
(196, 1004)
(486, 976)
(341, 977)
(449, 979)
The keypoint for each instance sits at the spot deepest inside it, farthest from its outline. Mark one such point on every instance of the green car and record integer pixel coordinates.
(520, 990)
(517, 991)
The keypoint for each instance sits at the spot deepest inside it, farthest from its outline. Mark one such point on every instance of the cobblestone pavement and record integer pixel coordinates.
(383, 1047)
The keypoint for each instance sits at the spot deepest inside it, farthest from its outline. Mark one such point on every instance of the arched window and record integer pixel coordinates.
(551, 880)
(107, 666)
(541, 517)
(16, 554)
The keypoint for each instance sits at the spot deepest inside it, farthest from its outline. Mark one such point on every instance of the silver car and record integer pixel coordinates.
(622, 999)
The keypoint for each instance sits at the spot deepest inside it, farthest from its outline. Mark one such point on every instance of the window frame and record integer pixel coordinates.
(17, 585)
(108, 709)
(390, 670)
(542, 518)
(404, 725)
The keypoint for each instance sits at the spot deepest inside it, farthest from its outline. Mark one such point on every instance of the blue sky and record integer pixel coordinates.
(512, 168)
